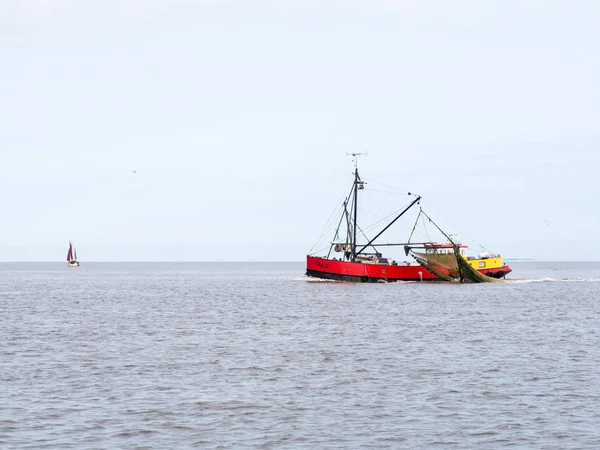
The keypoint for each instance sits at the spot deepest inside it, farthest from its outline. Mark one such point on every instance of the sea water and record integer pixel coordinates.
(255, 355)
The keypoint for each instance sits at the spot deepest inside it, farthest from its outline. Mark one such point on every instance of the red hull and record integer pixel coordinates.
(360, 272)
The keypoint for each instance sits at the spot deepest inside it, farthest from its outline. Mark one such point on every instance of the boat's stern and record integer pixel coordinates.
(490, 265)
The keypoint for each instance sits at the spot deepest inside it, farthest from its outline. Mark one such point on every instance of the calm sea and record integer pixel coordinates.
(252, 355)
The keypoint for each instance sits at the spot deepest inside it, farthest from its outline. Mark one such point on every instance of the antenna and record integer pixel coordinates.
(355, 156)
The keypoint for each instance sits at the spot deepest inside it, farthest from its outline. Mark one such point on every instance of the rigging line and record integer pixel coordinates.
(422, 235)
(348, 225)
(404, 191)
(337, 229)
(329, 223)
(379, 222)
(387, 192)
(416, 200)
(374, 203)
(385, 218)
(325, 229)
(350, 218)
(425, 227)
(440, 230)
(350, 222)
(320, 250)
(415, 226)
(365, 236)
(364, 212)
(457, 228)
(346, 214)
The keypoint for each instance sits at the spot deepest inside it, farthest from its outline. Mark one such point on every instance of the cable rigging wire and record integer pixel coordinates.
(457, 228)
(330, 220)
(396, 190)
(425, 227)
(400, 190)
(385, 218)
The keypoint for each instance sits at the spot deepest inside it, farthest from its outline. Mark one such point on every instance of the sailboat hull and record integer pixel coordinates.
(330, 269)
(72, 256)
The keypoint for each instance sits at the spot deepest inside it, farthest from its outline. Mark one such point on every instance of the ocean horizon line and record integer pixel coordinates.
(160, 261)
(264, 261)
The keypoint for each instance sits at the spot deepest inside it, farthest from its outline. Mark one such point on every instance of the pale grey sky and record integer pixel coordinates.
(237, 116)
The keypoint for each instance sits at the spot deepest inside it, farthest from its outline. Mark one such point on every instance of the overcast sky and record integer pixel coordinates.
(237, 116)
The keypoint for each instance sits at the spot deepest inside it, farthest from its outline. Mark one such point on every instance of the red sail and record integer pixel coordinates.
(70, 253)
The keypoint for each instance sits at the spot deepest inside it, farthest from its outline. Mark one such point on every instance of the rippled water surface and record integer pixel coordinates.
(252, 355)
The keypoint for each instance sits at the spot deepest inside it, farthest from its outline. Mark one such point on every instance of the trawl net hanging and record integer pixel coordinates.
(452, 267)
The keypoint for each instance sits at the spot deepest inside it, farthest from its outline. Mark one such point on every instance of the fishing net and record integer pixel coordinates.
(442, 266)
(452, 267)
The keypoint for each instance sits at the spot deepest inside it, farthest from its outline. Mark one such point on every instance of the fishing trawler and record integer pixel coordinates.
(446, 261)
(72, 256)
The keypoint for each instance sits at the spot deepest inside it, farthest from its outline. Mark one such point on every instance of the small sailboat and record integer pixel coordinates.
(72, 256)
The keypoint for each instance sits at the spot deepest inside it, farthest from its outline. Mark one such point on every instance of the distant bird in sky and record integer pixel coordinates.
(547, 223)
(133, 171)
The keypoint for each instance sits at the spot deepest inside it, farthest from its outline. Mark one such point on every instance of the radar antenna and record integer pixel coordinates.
(355, 156)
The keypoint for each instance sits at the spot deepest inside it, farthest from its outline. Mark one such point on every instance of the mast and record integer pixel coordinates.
(355, 212)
